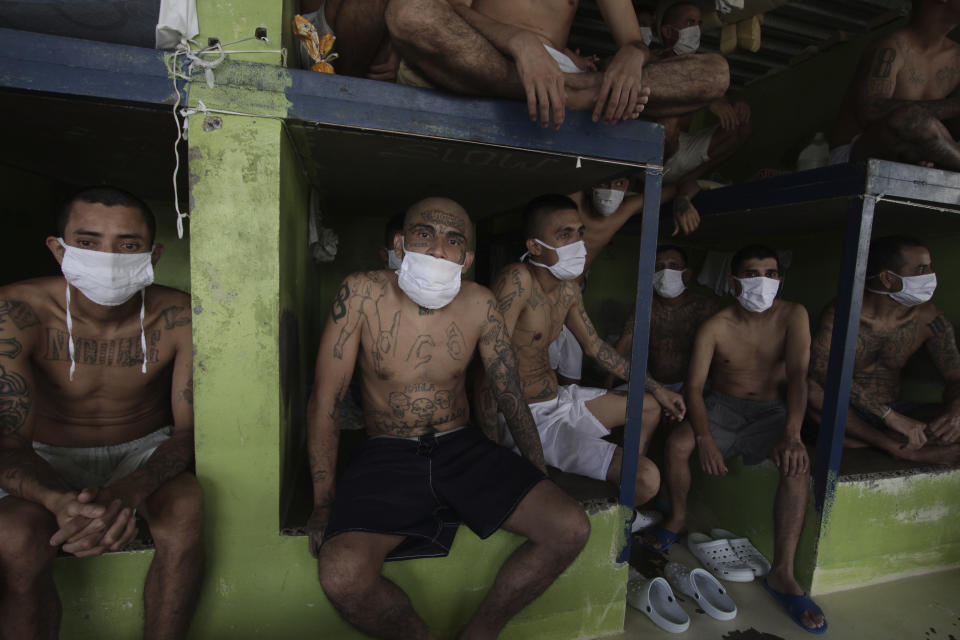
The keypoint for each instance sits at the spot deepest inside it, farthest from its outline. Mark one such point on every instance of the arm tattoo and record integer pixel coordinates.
(21, 313)
(501, 368)
(613, 362)
(507, 289)
(187, 393)
(942, 346)
(172, 317)
(14, 405)
(21, 466)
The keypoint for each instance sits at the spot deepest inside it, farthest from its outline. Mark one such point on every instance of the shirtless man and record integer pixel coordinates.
(903, 103)
(689, 157)
(675, 315)
(413, 332)
(516, 50)
(92, 429)
(536, 298)
(895, 320)
(749, 350)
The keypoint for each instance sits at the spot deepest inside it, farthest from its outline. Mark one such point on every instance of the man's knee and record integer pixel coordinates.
(681, 442)
(574, 530)
(346, 573)
(175, 513)
(25, 550)
(409, 20)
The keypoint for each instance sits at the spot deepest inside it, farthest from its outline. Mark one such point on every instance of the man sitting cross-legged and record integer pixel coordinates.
(518, 50)
(896, 319)
(747, 350)
(536, 298)
(425, 469)
(96, 418)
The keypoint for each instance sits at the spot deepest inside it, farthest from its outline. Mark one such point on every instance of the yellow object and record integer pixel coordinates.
(748, 34)
(728, 39)
(317, 47)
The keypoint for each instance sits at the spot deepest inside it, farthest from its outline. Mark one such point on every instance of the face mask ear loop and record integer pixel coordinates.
(143, 334)
(70, 347)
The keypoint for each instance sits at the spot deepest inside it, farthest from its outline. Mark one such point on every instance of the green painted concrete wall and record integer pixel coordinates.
(886, 528)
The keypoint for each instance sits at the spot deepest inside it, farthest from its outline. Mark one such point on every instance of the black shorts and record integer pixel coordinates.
(424, 488)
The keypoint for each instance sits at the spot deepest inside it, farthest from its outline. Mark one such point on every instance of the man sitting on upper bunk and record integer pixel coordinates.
(755, 354)
(425, 469)
(518, 50)
(904, 103)
(691, 156)
(96, 419)
(676, 313)
(537, 297)
(896, 319)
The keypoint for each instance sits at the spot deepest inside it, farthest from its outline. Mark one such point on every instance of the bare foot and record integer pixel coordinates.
(789, 585)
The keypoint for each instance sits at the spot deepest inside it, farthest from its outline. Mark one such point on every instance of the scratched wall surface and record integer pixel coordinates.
(884, 527)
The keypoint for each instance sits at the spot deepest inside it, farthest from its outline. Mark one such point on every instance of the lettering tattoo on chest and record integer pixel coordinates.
(118, 352)
(20, 313)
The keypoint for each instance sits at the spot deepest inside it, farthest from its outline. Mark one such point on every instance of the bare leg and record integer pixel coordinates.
(648, 477)
(683, 84)
(360, 28)
(175, 514)
(556, 529)
(909, 134)
(680, 446)
(432, 37)
(788, 513)
(349, 569)
(29, 605)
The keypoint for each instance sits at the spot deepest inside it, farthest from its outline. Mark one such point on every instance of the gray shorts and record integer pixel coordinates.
(745, 427)
(81, 467)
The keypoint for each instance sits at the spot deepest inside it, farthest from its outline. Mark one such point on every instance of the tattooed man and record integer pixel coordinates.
(675, 315)
(896, 319)
(536, 298)
(96, 418)
(750, 351)
(904, 103)
(412, 333)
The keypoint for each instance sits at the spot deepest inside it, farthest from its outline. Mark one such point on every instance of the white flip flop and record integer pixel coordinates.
(719, 558)
(655, 599)
(702, 587)
(645, 519)
(747, 553)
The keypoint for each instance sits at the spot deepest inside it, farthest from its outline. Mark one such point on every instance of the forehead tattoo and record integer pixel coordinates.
(436, 216)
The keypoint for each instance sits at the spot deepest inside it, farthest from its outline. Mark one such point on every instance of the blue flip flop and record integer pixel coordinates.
(664, 537)
(796, 606)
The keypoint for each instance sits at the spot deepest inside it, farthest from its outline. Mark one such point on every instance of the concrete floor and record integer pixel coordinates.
(925, 607)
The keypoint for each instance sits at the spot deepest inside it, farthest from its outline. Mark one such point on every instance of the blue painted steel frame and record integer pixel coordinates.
(82, 68)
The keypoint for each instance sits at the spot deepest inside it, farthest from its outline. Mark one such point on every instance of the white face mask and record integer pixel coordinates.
(668, 283)
(393, 262)
(757, 294)
(606, 201)
(688, 40)
(916, 289)
(647, 34)
(109, 279)
(430, 282)
(571, 259)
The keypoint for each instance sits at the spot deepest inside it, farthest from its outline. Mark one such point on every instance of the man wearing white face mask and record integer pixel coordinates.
(691, 156)
(675, 315)
(750, 351)
(388, 257)
(896, 319)
(96, 408)
(537, 297)
(425, 469)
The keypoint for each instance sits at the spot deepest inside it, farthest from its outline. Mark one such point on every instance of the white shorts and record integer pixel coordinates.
(81, 467)
(572, 437)
(841, 154)
(692, 151)
(566, 355)
(563, 60)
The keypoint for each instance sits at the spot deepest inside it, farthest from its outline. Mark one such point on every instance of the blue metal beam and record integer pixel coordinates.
(83, 68)
(649, 231)
(843, 350)
(366, 104)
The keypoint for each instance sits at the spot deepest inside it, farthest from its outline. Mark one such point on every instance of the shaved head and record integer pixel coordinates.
(443, 211)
